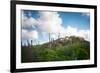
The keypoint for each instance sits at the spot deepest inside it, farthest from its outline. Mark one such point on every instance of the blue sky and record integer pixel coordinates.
(75, 19)
(39, 19)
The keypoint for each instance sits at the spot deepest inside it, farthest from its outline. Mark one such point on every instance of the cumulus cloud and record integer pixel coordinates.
(85, 34)
(24, 34)
(29, 35)
(28, 22)
(28, 25)
(50, 22)
(72, 31)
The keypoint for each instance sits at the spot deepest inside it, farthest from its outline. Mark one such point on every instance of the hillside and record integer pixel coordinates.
(62, 49)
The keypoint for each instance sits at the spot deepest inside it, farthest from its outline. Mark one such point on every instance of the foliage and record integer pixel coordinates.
(77, 49)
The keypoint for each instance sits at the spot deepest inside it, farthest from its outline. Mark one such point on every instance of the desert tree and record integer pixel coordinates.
(49, 37)
(21, 43)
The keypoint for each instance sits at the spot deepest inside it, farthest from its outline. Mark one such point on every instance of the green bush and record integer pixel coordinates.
(63, 52)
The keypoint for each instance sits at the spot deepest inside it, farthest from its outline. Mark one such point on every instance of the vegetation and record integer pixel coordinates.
(73, 48)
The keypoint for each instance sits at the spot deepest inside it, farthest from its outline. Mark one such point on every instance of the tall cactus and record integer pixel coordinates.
(58, 35)
(31, 42)
(49, 40)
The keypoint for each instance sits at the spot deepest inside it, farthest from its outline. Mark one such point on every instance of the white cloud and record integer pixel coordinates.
(33, 34)
(28, 22)
(85, 34)
(72, 31)
(50, 22)
(29, 35)
(24, 35)
(86, 14)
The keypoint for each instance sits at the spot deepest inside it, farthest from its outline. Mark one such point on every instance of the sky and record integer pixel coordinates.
(36, 25)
